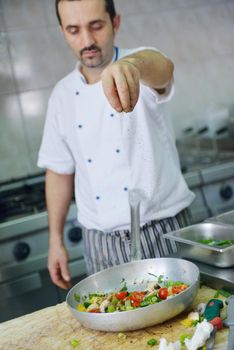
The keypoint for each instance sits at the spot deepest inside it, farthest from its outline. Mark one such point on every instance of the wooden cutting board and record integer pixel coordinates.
(55, 328)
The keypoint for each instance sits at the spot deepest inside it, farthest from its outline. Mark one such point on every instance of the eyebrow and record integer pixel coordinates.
(70, 26)
(97, 21)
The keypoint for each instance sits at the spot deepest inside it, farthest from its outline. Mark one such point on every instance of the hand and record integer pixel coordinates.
(58, 266)
(121, 81)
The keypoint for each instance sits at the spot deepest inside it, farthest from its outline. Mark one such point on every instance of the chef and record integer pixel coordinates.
(106, 135)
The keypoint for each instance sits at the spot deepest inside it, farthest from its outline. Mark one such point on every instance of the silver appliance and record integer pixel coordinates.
(211, 177)
(218, 187)
(25, 285)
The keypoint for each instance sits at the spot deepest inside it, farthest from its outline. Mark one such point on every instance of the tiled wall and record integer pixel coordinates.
(197, 34)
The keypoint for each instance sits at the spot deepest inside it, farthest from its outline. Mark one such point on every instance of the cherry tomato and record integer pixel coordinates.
(163, 293)
(95, 311)
(121, 295)
(137, 296)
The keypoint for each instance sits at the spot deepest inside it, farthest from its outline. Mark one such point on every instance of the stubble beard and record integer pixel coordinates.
(92, 62)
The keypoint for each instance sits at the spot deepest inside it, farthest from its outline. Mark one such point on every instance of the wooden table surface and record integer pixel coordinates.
(55, 328)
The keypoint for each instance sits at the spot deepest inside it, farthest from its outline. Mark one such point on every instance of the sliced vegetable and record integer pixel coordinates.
(124, 300)
(137, 296)
(152, 342)
(222, 292)
(160, 278)
(183, 337)
(111, 308)
(122, 335)
(81, 307)
(152, 298)
(121, 295)
(74, 343)
(77, 297)
(218, 243)
(179, 288)
(187, 322)
(170, 283)
(86, 304)
(124, 287)
(144, 303)
(94, 311)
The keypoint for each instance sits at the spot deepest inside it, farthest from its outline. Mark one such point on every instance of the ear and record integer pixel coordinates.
(116, 23)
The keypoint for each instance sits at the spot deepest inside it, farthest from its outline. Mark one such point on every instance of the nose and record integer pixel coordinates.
(87, 38)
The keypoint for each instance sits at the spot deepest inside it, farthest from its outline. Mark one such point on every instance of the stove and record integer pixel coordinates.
(21, 198)
(25, 285)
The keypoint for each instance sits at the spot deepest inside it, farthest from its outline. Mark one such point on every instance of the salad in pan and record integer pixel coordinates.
(125, 300)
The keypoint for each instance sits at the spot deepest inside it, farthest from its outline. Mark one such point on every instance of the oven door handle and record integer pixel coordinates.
(77, 268)
(20, 286)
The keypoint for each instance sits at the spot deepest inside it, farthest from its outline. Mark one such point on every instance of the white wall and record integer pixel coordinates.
(197, 34)
(199, 37)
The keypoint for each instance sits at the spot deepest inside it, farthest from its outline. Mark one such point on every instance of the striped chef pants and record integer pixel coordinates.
(103, 250)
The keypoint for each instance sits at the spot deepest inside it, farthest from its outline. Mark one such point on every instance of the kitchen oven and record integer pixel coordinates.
(218, 187)
(25, 285)
(210, 175)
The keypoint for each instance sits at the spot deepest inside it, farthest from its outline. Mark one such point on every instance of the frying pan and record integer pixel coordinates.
(136, 275)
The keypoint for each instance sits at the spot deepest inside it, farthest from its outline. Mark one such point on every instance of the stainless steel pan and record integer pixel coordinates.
(136, 275)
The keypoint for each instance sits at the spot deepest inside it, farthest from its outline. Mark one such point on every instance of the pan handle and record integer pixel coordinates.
(134, 198)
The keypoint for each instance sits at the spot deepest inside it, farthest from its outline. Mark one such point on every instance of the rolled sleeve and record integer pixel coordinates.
(54, 153)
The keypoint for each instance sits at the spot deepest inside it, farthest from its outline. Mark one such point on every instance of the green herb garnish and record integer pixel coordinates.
(222, 292)
(216, 243)
(77, 297)
(74, 343)
(159, 278)
(152, 342)
(124, 285)
(172, 283)
(183, 337)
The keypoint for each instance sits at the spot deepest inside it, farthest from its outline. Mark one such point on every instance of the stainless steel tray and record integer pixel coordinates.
(225, 218)
(188, 246)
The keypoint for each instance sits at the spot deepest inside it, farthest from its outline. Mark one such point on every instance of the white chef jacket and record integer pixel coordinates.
(112, 153)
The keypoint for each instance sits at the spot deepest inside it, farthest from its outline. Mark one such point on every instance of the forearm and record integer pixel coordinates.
(59, 190)
(155, 69)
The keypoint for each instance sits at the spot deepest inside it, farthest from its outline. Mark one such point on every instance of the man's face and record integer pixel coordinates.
(89, 31)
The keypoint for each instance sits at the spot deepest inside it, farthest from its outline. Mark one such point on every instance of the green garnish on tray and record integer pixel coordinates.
(217, 243)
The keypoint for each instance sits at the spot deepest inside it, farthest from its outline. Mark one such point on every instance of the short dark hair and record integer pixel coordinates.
(110, 8)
